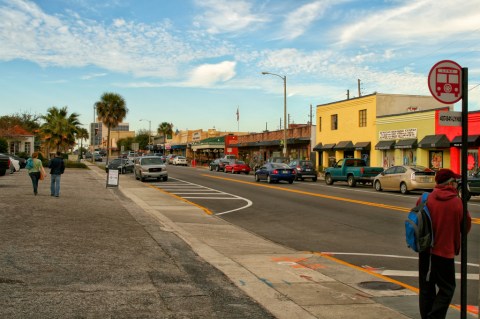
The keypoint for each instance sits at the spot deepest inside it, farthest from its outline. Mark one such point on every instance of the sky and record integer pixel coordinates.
(194, 63)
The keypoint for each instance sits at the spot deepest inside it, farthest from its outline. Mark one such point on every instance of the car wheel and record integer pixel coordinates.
(269, 179)
(378, 186)
(257, 178)
(136, 176)
(290, 181)
(403, 188)
(351, 181)
(328, 179)
(314, 179)
(124, 170)
(165, 178)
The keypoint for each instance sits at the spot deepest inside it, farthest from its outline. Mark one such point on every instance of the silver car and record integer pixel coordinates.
(405, 178)
(150, 167)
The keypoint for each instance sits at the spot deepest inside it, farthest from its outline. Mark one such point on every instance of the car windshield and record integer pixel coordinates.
(279, 165)
(152, 161)
(115, 162)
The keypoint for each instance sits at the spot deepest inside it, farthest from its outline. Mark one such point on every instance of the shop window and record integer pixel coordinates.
(334, 119)
(362, 118)
(388, 159)
(436, 159)
(409, 157)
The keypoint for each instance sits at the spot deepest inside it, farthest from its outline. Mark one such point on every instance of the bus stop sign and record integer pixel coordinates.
(445, 82)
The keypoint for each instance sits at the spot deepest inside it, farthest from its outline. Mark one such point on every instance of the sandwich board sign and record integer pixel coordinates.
(113, 177)
(445, 82)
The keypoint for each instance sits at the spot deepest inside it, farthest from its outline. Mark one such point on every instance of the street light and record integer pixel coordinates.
(284, 78)
(149, 133)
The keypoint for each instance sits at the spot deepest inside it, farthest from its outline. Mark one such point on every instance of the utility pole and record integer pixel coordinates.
(359, 92)
(348, 94)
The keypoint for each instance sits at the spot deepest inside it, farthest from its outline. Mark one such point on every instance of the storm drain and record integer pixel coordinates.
(380, 285)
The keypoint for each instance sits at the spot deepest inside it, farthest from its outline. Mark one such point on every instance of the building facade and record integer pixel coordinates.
(384, 129)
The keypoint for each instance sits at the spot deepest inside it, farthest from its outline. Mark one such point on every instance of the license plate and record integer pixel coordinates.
(307, 170)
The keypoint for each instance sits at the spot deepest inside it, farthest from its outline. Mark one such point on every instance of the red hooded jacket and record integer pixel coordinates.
(446, 210)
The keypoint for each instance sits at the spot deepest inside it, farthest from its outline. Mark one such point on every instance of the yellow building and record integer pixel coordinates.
(350, 128)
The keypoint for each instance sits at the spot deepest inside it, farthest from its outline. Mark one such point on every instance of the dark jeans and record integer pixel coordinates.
(35, 176)
(433, 304)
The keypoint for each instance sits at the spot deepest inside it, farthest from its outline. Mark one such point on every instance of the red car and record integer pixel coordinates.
(237, 167)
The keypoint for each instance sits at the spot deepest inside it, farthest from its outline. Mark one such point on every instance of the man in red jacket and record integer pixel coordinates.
(437, 265)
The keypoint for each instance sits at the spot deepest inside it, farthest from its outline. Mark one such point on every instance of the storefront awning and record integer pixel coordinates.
(328, 147)
(410, 143)
(385, 145)
(318, 147)
(362, 146)
(344, 145)
(473, 141)
(434, 141)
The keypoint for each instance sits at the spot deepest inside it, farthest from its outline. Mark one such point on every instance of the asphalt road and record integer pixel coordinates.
(357, 225)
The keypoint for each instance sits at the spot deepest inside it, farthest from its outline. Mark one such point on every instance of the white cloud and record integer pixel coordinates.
(92, 76)
(300, 20)
(209, 74)
(223, 16)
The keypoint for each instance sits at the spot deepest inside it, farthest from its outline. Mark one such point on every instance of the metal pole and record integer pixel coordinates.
(285, 116)
(284, 78)
(94, 135)
(463, 290)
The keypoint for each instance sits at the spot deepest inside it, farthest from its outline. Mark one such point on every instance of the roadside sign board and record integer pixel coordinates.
(445, 81)
(112, 178)
(450, 119)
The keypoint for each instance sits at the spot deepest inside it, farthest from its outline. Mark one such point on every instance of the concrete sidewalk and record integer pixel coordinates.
(138, 252)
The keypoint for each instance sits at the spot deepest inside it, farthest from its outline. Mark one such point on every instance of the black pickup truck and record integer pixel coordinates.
(4, 164)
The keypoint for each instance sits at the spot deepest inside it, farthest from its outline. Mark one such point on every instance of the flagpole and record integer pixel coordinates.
(238, 119)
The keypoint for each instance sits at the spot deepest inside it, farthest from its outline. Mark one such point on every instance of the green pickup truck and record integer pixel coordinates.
(351, 170)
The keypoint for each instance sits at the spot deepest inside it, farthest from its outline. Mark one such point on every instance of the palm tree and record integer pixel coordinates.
(82, 134)
(111, 110)
(59, 130)
(166, 129)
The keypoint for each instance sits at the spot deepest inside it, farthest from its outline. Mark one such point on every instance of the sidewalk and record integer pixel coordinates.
(137, 252)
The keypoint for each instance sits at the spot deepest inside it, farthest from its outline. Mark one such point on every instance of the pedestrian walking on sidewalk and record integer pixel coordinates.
(437, 265)
(34, 167)
(57, 167)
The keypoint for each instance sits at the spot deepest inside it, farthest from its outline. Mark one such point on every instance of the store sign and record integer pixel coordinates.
(450, 119)
(196, 136)
(397, 134)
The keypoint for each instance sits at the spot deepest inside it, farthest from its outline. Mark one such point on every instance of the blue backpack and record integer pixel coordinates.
(29, 164)
(418, 227)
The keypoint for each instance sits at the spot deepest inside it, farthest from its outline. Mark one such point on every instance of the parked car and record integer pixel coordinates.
(275, 172)
(218, 164)
(180, 160)
(4, 164)
(473, 185)
(170, 158)
(123, 165)
(405, 178)
(150, 167)
(304, 169)
(237, 167)
(97, 157)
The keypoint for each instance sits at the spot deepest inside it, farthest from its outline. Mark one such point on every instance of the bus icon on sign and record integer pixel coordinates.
(445, 81)
(448, 81)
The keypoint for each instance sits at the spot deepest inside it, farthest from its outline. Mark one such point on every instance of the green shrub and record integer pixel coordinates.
(71, 164)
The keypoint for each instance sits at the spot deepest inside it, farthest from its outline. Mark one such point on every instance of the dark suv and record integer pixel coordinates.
(304, 169)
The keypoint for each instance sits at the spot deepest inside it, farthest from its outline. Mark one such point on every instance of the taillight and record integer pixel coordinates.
(299, 168)
(362, 170)
(294, 172)
(275, 171)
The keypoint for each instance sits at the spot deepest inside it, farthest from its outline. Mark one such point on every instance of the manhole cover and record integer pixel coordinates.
(380, 285)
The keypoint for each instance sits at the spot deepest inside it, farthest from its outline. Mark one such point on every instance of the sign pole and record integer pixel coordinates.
(463, 293)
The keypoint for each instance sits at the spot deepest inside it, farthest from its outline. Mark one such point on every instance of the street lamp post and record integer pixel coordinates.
(284, 78)
(149, 133)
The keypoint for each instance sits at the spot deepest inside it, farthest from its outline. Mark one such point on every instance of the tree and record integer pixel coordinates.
(111, 110)
(143, 139)
(166, 130)
(3, 145)
(59, 130)
(82, 134)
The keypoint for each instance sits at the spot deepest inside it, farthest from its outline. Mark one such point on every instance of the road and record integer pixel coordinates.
(357, 225)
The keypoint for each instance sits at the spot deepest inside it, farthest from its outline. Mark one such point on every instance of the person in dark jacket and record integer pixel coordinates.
(57, 167)
(437, 265)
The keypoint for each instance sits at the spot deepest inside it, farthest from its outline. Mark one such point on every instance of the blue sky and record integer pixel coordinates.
(193, 62)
